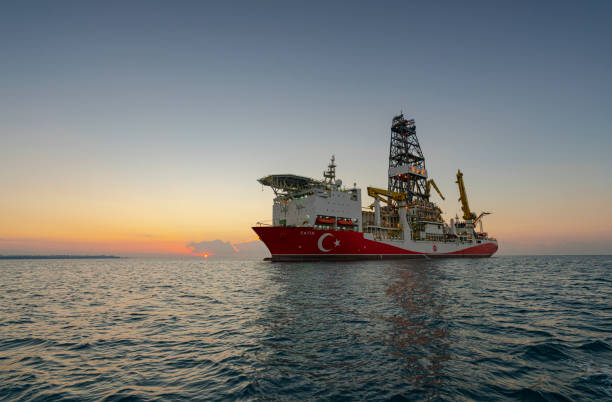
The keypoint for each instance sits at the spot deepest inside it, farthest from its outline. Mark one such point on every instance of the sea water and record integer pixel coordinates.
(456, 329)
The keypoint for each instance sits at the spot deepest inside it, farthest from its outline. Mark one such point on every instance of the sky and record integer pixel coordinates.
(140, 128)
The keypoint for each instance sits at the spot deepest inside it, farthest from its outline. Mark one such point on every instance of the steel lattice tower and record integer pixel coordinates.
(407, 173)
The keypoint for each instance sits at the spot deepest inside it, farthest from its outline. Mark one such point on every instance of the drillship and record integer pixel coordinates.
(322, 220)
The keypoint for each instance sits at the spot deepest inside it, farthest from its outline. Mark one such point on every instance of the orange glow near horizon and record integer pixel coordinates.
(516, 236)
(155, 221)
(52, 246)
(84, 225)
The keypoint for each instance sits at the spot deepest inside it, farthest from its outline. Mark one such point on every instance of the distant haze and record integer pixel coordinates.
(140, 128)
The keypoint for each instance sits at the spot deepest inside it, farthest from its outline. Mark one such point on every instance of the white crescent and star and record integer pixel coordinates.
(320, 242)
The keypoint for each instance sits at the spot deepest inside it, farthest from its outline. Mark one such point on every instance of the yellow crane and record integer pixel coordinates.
(431, 183)
(465, 206)
(379, 194)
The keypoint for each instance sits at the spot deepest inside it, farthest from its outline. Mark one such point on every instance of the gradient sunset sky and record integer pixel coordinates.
(139, 127)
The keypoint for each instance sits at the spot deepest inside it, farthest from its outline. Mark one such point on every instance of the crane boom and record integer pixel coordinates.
(480, 216)
(468, 215)
(379, 194)
(431, 183)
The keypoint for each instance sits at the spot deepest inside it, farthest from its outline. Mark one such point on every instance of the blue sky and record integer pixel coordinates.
(116, 107)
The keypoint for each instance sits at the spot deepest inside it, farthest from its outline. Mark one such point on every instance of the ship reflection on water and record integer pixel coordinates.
(328, 324)
(419, 334)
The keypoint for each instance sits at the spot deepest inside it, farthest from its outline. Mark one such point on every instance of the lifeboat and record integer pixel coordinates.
(345, 222)
(325, 221)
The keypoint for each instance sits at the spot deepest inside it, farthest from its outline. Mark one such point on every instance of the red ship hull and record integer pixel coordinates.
(309, 244)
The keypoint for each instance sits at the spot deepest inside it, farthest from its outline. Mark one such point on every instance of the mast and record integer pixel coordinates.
(330, 173)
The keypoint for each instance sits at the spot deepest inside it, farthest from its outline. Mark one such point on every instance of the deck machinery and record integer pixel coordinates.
(321, 219)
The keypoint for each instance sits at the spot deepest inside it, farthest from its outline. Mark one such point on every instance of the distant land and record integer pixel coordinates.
(54, 257)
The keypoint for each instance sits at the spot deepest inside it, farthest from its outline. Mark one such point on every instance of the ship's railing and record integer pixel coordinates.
(384, 233)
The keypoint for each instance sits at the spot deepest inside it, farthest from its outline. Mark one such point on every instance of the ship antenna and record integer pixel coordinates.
(330, 173)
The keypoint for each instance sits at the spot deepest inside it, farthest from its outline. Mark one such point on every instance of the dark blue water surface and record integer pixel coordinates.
(534, 328)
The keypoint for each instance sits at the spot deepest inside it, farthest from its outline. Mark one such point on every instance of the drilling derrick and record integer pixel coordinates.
(407, 173)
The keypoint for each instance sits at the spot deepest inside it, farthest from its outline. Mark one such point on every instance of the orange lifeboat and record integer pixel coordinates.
(325, 221)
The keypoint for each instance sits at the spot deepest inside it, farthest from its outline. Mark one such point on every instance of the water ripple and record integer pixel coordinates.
(533, 328)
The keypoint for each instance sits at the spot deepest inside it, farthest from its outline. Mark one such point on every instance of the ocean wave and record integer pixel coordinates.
(528, 328)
